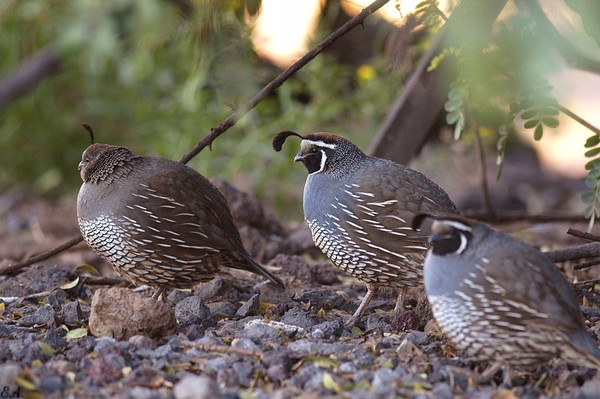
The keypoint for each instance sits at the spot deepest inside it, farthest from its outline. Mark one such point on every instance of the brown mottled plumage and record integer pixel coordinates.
(158, 222)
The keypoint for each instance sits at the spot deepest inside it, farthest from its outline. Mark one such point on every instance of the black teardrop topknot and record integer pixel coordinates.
(280, 138)
(89, 130)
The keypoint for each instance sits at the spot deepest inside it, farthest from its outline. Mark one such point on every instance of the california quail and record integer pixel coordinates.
(157, 221)
(499, 299)
(359, 210)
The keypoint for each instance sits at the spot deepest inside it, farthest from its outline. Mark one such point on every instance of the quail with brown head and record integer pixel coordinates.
(359, 210)
(500, 299)
(158, 222)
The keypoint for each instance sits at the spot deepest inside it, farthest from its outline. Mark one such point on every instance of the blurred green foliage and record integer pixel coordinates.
(156, 76)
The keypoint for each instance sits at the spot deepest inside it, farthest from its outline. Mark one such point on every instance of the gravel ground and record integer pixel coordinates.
(234, 337)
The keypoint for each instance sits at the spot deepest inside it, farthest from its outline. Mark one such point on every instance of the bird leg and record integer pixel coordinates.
(160, 294)
(371, 290)
(401, 299)
(489, 373)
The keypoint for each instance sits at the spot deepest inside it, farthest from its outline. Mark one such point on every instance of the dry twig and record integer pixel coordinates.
(221, 349)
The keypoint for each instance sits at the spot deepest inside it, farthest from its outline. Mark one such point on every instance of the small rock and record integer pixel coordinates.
(406, 320)
(307, 347)
(80, 348)
(218, 289)
(72, 314)
(57, 298)
(121, 313)
(379, 322)
(192, 310)
(297, 317)
(323, 298)
(418, 338)
(590, 389)
(42, 316)
(55, 339)
(221, 310)
(250, 308)
(245, 343)
(142, 342)
(176, 296)
(244, 370)
(196, 387)
(106, 369)
(218, 363)
(384, 380)
(328, 329)
(442, 390)
(193, 332)
(347, 367)
(38, 278)
(227, 378)
(51, 383)
(262, 331)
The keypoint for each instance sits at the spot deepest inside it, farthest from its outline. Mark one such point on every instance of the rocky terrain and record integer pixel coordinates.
(69, 328)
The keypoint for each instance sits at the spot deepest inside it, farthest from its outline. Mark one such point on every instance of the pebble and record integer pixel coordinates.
(121, 313)
(73, 315)
(196, 387)
(250, 308)
(192, 310)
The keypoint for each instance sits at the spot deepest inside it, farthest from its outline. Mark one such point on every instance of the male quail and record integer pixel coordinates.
(499, 299)
(158, 222)
(359, 210)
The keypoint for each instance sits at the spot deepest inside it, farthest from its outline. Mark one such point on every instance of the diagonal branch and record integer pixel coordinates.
(279, 80)
(27, 75)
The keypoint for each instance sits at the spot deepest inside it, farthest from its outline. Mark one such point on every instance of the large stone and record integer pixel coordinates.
(121, 313)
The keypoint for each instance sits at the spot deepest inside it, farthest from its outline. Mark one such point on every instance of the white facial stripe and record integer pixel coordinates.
(456, 225)
(463, 244)
(323, 159)
(322, 144)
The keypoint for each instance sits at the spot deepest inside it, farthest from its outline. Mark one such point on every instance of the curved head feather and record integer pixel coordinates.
(280, 138)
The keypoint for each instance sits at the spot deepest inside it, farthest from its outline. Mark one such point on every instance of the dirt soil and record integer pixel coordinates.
(236, 336)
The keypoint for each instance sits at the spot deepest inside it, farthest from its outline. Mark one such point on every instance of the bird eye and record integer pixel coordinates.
(314, 150)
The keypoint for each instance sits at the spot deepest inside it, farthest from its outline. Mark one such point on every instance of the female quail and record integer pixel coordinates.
(359, 210)
(158, 222)
(499, 299)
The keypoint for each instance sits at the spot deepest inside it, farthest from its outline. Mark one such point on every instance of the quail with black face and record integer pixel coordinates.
(157, 221)
(359, 210)
(500, 299)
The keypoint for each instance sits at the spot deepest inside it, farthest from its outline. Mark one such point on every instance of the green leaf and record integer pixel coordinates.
(531, 123)
(452, 117)
(529, 114)
(47, 349)
(87, 268)
(550, 111)
(588, 196)
(76, 333)
(539, 131)
(23, 383)
(69, 285)
(330, 384)
(592, 141)
(514, 107)
(550, 121)
(593, 152)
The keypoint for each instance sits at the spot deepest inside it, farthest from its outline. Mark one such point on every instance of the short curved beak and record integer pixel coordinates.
(299, 157)
(80, 165)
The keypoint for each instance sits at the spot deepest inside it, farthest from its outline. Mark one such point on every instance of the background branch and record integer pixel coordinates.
(28, 74)
(279, 80)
